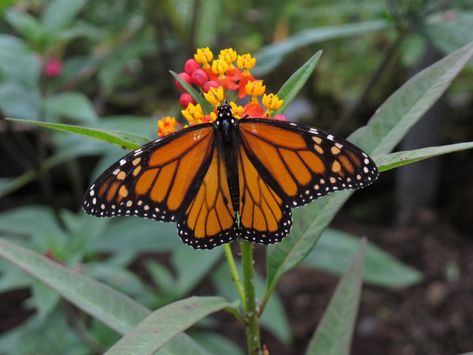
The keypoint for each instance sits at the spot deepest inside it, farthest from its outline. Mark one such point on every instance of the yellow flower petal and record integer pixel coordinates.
(246, 61)
(215, 96)
(272, 101)
(228, 55)
(255, 88)
(203, 56)
(220, 67)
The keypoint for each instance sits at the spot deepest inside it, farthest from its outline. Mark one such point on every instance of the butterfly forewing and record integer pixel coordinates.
(156, 181)
(302, 164)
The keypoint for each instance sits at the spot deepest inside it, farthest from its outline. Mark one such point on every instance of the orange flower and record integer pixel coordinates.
(216, 79)
(167, 125)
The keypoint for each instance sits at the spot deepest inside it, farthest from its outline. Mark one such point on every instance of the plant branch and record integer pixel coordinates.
(374, 79)
(252, 330)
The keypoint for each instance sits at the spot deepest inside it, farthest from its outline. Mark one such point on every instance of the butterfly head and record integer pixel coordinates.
(225, 120)
(224, 111)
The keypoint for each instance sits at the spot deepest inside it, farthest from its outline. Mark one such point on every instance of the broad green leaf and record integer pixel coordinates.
(18, 221)
(206, 106)
(18, 63)
(296, 81)
(334, 332)
(72, 105)
(18, 100)
(192, 266)
(147, 236)
(37, 335)
(336, 248)
(43, 299)
(113, 308)
(117, 277)
(394, 160)
(382, 133)
(122, 139)
(165, 323)
(271, 56)
(59, 13)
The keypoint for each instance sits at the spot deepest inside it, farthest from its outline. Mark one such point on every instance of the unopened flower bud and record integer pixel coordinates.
(186, 77)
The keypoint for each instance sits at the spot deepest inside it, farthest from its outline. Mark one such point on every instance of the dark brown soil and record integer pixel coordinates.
(432, 318)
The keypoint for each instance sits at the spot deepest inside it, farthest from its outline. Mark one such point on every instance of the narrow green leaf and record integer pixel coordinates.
(183, 344)
(294, 84)
(216, 343)
(165, 323)
(335, 249)
(334, 332)
(59, 13)
(206, 106)
(271, 56)
(394, 160)
(113, 308)
(71, 105)
(382, 133)
(102, 302)
(26, 25)
(123, 140)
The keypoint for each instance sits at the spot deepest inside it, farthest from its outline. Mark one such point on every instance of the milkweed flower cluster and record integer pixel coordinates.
(227, 76)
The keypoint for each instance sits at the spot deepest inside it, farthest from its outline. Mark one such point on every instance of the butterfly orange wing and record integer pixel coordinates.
(264, 216)
(156, 181)
(296, 165)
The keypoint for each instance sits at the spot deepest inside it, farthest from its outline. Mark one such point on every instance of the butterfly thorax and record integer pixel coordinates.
(225, 122)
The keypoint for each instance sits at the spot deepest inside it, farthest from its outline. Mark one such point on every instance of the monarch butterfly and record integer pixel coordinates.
(233, 178)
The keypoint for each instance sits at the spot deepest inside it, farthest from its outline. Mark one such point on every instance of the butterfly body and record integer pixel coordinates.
(233, 178)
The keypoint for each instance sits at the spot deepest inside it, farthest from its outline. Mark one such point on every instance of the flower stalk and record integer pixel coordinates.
(251, 311)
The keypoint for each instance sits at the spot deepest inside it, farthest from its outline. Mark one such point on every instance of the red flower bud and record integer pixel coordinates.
(186, 78)
(210, 84)
(190, 66)
(52, 68)
(186, 99)
(280, 117)
(199, 77)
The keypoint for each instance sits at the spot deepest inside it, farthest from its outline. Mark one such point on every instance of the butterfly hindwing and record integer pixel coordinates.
(302, 164)
(264, 216)
(210, 218)
(155, 181)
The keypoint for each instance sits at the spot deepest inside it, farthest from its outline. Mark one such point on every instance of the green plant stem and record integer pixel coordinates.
(235, 275)
(264, 300)
(252, 329)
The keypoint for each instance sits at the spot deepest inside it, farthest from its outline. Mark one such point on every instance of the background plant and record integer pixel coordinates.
(108, 63)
